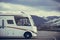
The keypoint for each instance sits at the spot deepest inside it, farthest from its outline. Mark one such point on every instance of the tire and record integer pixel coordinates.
(27, 35)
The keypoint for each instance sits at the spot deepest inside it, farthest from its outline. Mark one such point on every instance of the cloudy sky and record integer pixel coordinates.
(34, 7)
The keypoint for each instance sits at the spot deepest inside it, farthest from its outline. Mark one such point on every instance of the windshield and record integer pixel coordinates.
(22, 21)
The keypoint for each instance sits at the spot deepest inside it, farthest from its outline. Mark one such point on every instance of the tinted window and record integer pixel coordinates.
(10, 21)
(22, 21)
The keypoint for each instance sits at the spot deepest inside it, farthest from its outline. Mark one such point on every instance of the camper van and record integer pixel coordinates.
(17, 25)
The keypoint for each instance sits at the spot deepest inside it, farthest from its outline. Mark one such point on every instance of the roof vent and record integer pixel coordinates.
(22, 12)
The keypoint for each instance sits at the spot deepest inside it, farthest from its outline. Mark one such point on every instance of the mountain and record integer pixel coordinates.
(38, 20)
(46, 23)
(52, 17)
(55, 22)
(44, 20)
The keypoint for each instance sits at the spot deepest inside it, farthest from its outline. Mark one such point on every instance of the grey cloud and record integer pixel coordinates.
(57, 1)
(40, 4)
(31, 2)
(58, 9)
(4, 0)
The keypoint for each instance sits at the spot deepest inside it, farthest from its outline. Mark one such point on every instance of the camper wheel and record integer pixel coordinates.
(27, 35)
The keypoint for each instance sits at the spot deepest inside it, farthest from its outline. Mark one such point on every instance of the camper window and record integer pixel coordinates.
(22, 21)
(10, 21)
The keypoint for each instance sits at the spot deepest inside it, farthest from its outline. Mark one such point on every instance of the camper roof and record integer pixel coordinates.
(9, 13)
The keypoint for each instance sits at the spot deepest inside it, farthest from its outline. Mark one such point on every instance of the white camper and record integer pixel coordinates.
(17, 25)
